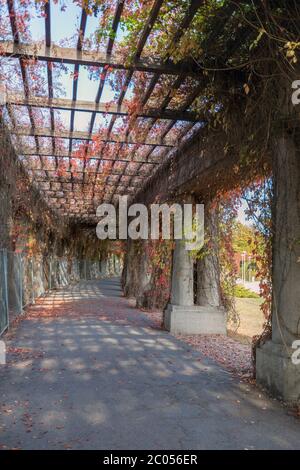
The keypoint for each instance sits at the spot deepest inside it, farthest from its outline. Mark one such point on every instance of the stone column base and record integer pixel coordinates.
(276, 372)
(195, 320)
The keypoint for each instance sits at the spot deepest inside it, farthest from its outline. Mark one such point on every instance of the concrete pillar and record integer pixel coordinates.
(103, 264)
(144, 278)
(116, 268)
(117, 265)
(208, 268)
(181, 315)
(275, 369)
(128, 271)
(111, 264)
(182, 292)
(15, 282)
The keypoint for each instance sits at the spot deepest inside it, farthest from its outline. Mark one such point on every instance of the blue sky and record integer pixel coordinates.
(242, 215)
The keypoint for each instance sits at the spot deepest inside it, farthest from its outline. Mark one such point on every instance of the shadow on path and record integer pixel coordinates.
(86, 370)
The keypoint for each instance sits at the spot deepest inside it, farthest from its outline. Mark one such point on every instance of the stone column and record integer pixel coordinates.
(113, 265)
(275, 369)
(208, 268)
(182, 292)
(144, 277)
(128, 271)
(110, 265)
(181, 315)
(103, 264)
(117, 265)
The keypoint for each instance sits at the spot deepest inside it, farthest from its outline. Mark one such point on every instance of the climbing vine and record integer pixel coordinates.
(259, 199)
(228, 205)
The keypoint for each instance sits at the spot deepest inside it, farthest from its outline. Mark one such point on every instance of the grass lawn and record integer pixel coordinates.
(251, 319)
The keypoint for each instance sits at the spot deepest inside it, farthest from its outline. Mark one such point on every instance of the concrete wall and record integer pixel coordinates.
(275, 369)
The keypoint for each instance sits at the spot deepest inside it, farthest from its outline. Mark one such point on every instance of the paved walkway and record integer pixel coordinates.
(86, 370)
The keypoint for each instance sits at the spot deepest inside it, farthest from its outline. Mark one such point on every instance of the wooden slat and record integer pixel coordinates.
(115, 24)
(13, 23)
(142, 40)
(47, 9)
(82, 27)
(192, 10)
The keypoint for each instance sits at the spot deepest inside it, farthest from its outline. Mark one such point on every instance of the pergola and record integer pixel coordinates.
(123, 161)
(204, 129)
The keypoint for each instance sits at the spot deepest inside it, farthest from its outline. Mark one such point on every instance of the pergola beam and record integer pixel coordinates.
(47, 10)
(12, 19)
(99, 173)
(69, 55)
(30, 151)
(80, 135)
(77, 194)
(92, 106)
(83, 22)
(74, 194)
(16, 43)
(85, 183)
(109, 48)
